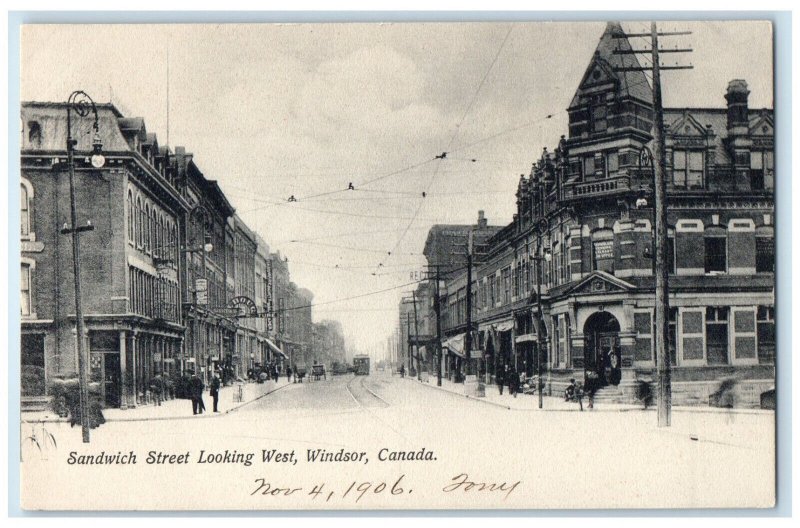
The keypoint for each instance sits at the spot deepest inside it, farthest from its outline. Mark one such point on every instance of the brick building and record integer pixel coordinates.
(167, 273)
(131, 301)
(591, 202)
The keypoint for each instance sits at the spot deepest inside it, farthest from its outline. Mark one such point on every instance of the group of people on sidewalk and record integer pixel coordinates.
(196, 388)
(508, 375)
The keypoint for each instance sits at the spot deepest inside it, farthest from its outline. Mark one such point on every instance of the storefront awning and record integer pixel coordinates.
(275, 348)
(525, 338)
(455, 345)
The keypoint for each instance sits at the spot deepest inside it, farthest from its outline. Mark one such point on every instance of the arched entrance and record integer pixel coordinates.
(601, 349)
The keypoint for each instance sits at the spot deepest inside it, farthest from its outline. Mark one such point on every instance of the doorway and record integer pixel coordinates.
(602, 355)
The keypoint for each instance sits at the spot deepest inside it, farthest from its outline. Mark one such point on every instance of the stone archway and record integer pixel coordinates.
(602, 358)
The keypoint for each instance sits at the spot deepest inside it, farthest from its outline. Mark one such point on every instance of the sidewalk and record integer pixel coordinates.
(179, 408)
(530, 402)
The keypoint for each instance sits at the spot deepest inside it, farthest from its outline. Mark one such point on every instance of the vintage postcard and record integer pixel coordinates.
(395, 266)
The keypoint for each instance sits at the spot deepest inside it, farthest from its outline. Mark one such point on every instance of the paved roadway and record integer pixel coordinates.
(565, 459)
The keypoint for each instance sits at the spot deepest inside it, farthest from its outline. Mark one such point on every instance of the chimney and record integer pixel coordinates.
(737, 107)
(481, 220)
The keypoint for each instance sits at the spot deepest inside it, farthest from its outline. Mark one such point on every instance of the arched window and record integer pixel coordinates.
(131, 226)
(139, 223)
(25, 211)
(148, 233)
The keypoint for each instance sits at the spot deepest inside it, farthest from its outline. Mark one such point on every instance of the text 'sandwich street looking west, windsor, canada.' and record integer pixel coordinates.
(319, 266)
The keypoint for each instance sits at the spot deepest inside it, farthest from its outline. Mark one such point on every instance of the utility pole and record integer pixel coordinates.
(438, 310)
(468, 336)
(664, 392)
(416, 334)
(409, 359)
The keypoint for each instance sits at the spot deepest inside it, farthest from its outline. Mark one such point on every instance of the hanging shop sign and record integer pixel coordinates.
(244, 306)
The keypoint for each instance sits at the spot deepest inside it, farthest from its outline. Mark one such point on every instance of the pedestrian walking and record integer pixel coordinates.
(288, 374)
(275, 372)
(215, 383)
(513, 380)
(402, 371)
(499, 378)
(196, 387)
(157, 388)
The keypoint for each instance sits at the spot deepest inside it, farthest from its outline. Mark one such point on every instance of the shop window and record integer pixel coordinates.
(673, 336)
(688, 169)
(762, 172)
(717, 335)
(33, 380)
(643, 325)
(692, 342)
(744, 335)
(766, 335)
(716, 260)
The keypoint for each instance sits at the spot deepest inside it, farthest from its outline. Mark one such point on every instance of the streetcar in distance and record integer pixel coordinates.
(361, 364)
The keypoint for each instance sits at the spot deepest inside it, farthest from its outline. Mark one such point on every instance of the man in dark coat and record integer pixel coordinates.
(215, 390)
(288, 374)
(512, 377)
(499, 378)
(196, 387)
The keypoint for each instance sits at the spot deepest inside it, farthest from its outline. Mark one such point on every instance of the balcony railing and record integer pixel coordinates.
(598, 188)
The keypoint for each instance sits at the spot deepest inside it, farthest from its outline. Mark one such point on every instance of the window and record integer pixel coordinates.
(131, 221)
(688, 168)
(744, 335)
(148, 228)
(692, 349)
(717, 335)
(24, 207)
(716, 254)
(673, 336)
(139, 223)
(612, 163)
(25, 304)
(766, 334)
(762, 172)
(588, 166)
(506, 285)
(643, 325)
(599, 118)
(765, 253)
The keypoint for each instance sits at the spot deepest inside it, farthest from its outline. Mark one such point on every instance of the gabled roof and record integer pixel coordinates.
(603, 65)
(589, 284)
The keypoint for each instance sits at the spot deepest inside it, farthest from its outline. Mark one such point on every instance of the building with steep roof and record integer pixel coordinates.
(581, 246)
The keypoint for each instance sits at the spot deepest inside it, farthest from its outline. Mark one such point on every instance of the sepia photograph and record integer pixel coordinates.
(452, 265)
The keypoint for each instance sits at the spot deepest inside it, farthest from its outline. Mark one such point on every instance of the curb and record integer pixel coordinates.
(620, 408)
(164, 418)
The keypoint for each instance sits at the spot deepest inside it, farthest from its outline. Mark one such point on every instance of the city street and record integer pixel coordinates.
(607, 459)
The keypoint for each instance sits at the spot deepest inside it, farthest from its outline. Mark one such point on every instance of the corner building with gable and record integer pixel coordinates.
(591, 200)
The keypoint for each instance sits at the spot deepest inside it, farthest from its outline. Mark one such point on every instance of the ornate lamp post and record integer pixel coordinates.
(80, 103)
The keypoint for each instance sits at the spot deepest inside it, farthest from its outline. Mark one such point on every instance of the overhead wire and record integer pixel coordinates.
(455, 134)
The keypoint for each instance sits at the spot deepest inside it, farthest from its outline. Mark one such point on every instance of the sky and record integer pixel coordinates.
(278, 110)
